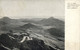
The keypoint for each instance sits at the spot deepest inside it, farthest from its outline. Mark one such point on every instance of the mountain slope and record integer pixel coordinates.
(28, 25)
(56, 32)
(9, 43)
(50, 28)
(53, 22)
(7, 23)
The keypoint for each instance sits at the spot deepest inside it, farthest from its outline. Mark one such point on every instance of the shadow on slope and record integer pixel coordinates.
(7, 43)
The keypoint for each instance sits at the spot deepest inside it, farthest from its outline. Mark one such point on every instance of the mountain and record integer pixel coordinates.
(33, 20)
(7, 23)
(8, 43)
(28, 25)
(5, 19)
(2, 23)
(53, 22)
(10, 21)
(51, 33)
(56, 32)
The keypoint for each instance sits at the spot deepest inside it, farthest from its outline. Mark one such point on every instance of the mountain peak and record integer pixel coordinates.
(5, 18)
(29, 25)
(51, 18)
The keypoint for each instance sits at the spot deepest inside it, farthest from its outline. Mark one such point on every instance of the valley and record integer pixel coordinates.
(49, 32)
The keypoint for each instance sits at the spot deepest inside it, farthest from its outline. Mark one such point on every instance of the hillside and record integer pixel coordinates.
(50, 31)
(56, 32)
(53, 22)
(13, 44)
(28, 25)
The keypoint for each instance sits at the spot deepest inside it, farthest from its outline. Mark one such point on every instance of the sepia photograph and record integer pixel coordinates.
(32, 24)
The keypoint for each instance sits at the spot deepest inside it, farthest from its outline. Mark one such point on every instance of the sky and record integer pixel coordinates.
(32, 8)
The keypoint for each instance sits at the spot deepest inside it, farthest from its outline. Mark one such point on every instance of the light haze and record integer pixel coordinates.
(32, 8)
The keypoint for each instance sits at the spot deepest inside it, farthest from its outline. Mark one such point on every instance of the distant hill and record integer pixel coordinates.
(7, 23)
(56, 32)
(11, 21)
(42, 29)
(31, 19)
(5, 19)
(2, 23)
(28, 25)
(53, 22)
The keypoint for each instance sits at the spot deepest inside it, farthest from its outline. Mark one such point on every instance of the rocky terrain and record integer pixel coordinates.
(28, 34)
(12, 43)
